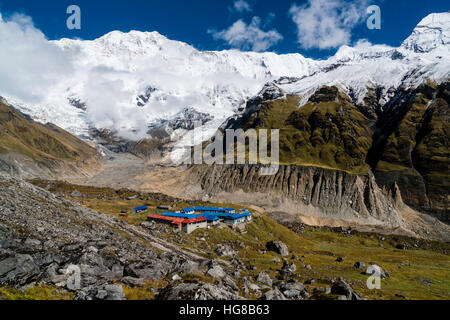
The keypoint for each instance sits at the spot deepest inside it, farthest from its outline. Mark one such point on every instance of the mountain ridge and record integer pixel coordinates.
(28, 147)
(173, 76)
(337, 113)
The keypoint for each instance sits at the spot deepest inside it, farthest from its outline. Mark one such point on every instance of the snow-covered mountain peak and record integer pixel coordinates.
(137, 41)
(122, 48)
(130, 82)
(133, 35)
(436, 20)
(138, 79)
(431, 33)
(362, 50)
(425, 55)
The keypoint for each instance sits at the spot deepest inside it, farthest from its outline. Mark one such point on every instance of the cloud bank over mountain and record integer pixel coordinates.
(29, 63)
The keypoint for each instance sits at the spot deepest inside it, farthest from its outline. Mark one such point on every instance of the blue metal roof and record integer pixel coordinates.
(208, 209)
(181, 215)
(141, 208)
(211, 218)
(234, 216)
(217, 214)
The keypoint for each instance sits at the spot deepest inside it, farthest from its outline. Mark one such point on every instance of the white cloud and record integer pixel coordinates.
(327, 24)
(40, 75)
(248, 37)
(241, 6)
(29, 63)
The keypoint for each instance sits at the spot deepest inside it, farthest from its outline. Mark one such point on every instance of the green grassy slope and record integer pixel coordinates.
(39, 142)
(327, 132)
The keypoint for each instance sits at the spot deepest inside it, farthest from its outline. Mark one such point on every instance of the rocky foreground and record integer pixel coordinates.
(47, 241)
(44, 238)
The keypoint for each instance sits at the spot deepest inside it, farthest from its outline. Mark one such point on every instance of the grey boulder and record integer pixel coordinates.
(278, 247)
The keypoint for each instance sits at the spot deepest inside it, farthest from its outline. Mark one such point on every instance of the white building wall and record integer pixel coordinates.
(189, 228)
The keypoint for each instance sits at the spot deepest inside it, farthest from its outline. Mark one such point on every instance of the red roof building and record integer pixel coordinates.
(176, 221)
(195, 220)
(188, 225)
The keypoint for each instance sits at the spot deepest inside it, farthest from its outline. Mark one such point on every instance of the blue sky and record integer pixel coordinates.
(204, 23)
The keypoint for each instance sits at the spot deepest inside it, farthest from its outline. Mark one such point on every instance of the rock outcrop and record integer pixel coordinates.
(197, 291)
(403, 142)
(302, 190)
(345, 291)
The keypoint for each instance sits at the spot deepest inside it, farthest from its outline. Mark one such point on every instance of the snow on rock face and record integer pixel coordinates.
(120, 71)
(424, 55)
(130, 82)
(431, 33)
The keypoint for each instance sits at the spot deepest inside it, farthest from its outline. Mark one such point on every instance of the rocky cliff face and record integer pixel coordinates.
(411, 148)
(404, 143)
(304, 190)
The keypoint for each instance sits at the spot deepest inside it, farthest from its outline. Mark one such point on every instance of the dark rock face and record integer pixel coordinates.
(411, 150)
(405, 143)
(338, 194)
(77, 103)
(142, 99)
(343, 288)
(325, 94)
(187, 119)
(271, 92)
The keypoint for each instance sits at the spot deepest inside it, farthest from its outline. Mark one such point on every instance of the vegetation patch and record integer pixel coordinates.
(42, 143)
(35, 293)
